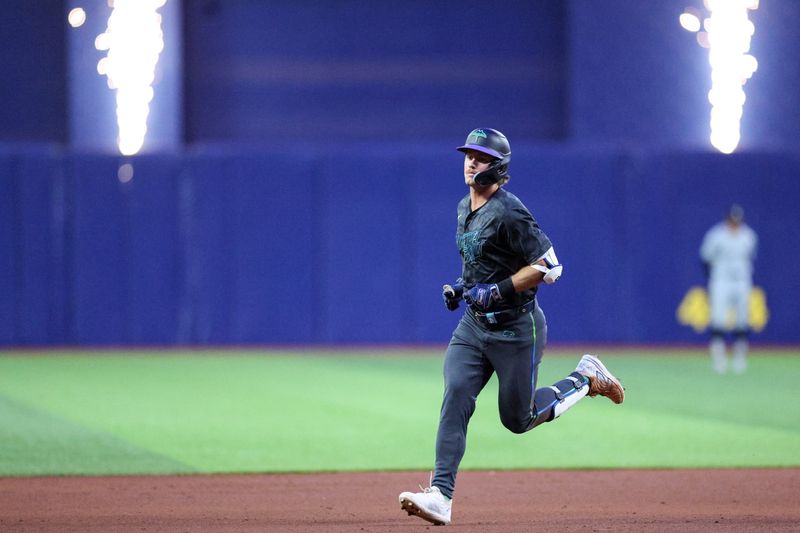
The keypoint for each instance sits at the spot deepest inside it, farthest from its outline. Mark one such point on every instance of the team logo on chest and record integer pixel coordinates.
(470, 245)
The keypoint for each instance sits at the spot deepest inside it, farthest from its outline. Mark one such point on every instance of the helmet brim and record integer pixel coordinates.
(479, 148)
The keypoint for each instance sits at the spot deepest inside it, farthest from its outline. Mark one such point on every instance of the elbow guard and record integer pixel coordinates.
(551, 269)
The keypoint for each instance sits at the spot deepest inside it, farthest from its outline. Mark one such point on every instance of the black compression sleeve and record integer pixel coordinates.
(506, 289)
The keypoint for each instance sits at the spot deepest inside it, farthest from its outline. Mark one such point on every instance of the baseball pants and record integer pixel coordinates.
(725, 295)
(513, 350)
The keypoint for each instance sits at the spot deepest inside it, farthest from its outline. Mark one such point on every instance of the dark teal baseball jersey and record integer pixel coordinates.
(497, 240)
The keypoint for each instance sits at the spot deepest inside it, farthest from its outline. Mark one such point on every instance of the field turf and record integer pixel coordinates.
(270, 411)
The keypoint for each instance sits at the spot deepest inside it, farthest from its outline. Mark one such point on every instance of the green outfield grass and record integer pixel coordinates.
(152, 412)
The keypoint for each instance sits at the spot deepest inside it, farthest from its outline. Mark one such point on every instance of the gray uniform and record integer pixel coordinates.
(496, 241)
(730, 253)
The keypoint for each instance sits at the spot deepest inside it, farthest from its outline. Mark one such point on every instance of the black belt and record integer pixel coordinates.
(504, 315)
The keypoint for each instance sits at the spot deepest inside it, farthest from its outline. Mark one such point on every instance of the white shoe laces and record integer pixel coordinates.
(430, 487)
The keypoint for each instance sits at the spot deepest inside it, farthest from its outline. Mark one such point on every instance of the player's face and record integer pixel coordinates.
(475, 162)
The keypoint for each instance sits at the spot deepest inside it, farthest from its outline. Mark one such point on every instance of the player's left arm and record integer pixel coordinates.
(526, 239)
(546, 268)
(527, 277)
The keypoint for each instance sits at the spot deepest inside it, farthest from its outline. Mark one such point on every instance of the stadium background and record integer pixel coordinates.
(304, 190)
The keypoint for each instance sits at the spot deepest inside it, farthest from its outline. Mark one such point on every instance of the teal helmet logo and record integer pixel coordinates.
(476, 135)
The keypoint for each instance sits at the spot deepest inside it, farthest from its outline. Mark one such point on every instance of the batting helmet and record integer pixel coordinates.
(495, 144)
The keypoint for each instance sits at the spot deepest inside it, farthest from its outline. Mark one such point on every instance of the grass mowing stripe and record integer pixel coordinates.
(596, 435)
(246, 413)
(34, 442)
(686, 386)
(219, 413)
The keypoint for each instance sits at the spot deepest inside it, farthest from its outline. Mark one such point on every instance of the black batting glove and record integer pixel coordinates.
(452, 294)
(484, 295)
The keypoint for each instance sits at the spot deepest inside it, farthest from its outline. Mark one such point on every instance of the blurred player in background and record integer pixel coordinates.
(727, 252)
(505, 255)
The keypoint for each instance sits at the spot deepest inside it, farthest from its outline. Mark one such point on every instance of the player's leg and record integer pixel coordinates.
(717, 292)
(590, 378)
(515, 353)
(466, 372)
(522, 405)
(740, 348)
(549, 403)
(716, 347)
(742, 328)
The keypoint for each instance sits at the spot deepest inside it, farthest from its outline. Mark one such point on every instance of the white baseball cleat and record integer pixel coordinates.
(601, 381)
(430, 505)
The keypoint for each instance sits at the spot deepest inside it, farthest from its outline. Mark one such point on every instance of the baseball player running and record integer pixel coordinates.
(505, 256)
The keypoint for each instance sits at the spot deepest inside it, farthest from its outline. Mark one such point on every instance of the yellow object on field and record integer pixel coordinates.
(695, 310)
(759, 312)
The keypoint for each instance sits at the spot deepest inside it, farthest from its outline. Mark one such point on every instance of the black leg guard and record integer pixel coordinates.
(550, 402)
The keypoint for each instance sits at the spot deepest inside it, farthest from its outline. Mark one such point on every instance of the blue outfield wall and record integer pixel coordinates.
(351, 244)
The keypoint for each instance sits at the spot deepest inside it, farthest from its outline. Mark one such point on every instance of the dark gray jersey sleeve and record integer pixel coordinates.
(525, 237)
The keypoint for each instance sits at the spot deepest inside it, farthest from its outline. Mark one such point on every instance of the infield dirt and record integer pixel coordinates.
(609, 500)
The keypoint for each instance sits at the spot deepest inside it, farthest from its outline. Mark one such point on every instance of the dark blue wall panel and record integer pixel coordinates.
(277, 253)
(207, 188)
(100, 251)
(576, 199)
(250, 227)
(365, 226)
(9, 249)
(33, 86)
(32, 246)
(125, 253)
(154, 263)
(435, 181)
(350, 70)
(352, 245)
(41, 295)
